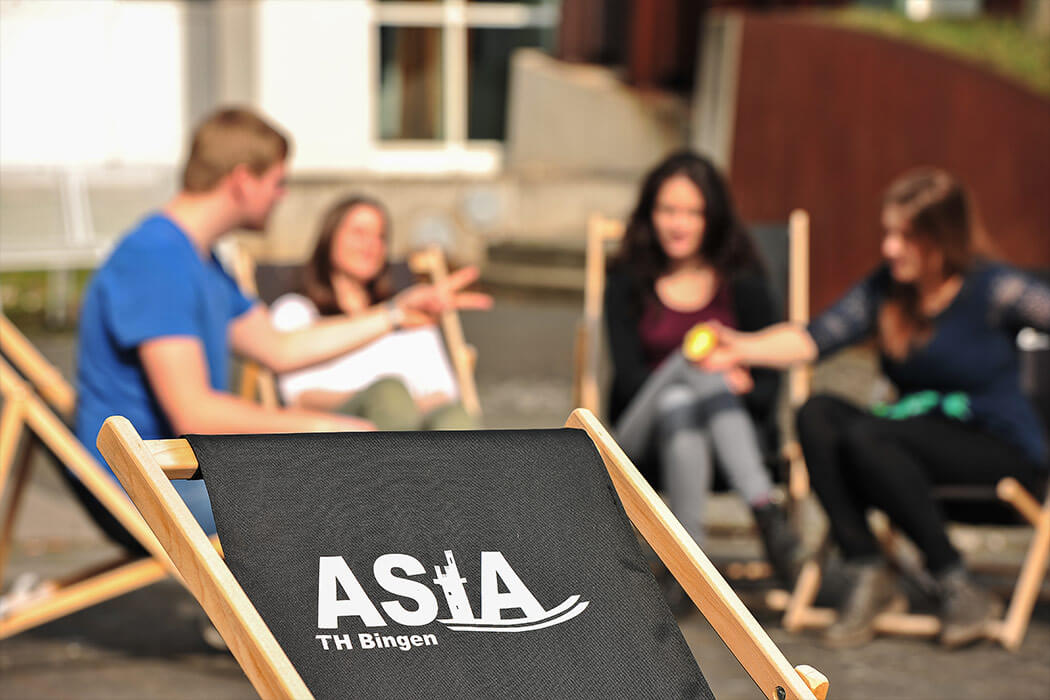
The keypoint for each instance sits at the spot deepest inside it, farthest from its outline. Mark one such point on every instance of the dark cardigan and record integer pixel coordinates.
(754, 308)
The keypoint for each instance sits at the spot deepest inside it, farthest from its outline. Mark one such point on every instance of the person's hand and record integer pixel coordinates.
(725, 356)
(421, 303)
(334, 423)
(428, 402)
(739, 380)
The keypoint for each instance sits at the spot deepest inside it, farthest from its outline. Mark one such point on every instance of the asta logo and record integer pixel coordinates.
(333, 573)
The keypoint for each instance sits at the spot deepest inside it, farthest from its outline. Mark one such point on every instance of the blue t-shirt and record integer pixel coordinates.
(969, 368)
(155, 284)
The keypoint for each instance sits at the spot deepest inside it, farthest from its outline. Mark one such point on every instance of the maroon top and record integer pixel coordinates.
(662, 328)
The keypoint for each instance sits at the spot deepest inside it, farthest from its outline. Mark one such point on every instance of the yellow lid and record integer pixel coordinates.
(699, 340)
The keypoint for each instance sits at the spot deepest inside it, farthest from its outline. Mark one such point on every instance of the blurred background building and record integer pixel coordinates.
(494, 128)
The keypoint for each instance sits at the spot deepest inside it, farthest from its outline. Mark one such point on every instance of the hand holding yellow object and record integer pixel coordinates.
(699, 341)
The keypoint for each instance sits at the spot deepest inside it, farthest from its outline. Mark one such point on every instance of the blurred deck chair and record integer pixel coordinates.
(539, 587)
(268, 282)
(787, 255)
(42, 424)
(959, 503)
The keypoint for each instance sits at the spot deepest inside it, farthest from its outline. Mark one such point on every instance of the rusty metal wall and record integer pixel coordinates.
(826, 117)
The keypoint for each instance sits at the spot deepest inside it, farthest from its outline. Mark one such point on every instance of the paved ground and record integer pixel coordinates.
(147, 645)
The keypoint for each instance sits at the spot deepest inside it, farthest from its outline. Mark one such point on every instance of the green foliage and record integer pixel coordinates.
(25, 296)
(999, 43)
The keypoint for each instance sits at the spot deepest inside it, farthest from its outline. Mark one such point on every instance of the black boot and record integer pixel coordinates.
(783, 547)
(966, 608)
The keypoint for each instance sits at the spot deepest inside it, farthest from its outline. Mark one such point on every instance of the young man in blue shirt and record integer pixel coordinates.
(161, 316)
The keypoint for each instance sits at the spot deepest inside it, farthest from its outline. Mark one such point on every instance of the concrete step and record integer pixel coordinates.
(553, 265)
(533, 277)
(566, 251)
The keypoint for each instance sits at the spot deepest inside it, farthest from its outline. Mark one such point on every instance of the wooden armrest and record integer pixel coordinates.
(1011, 491)
(816, 680)
(175, 457)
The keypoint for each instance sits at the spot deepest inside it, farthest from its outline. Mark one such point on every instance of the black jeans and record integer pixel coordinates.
(858, 461)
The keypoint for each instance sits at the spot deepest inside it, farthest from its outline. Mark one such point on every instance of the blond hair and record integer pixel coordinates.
(229, 138)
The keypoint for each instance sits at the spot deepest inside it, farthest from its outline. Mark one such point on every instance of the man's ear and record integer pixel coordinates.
(238, 180)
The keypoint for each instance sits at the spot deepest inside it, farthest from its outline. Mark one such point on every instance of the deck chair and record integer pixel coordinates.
(602, 233)
(26, 422)
(799, 610)
(539, 587)
(270, 283)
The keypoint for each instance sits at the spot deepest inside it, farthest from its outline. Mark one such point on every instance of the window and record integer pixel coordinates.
(443, 68)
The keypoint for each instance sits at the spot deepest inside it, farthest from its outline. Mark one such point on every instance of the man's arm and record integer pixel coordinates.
(178, 374)
(252, 334)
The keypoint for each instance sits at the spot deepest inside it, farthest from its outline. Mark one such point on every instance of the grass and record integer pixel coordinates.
(24, 295)
(999, 43)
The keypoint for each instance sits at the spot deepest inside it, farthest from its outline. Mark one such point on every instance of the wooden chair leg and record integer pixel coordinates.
(12, 423)
(249, 380)
(801, 602)
(267, 384)
(798, 479)
(1012, 631)
(59, 601)
(579, 353)
(1011, 491)
(16, 490)
(85, 588)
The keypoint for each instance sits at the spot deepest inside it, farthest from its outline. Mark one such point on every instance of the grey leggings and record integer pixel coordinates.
(685, 413)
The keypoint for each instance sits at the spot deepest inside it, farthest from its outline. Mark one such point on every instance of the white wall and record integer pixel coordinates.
(88, 83)
(91, 83)
(314, 79)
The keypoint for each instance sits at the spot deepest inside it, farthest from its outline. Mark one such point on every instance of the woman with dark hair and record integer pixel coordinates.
(686, 259)
(945, 321)
(402, 381)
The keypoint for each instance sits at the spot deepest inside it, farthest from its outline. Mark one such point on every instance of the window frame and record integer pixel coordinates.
(455, 152)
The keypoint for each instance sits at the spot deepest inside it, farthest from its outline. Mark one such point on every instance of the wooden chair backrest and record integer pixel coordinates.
(145, 467)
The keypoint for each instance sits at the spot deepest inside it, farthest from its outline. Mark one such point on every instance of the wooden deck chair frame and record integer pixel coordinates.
(586, 393)
(431, 263)
(26, 414)
(799, 612)
(145, 467)
(798, 605)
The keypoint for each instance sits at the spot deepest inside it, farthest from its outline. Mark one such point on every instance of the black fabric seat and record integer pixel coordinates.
(468, 564)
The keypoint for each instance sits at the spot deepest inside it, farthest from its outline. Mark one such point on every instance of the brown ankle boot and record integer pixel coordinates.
(874, 592)
(966, 609)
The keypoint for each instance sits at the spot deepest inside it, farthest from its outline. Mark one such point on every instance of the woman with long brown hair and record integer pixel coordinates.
(686, 259)
(945, 320)
(402, 381)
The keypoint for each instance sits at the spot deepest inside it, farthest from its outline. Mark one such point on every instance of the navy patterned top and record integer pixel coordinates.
(969, 369)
